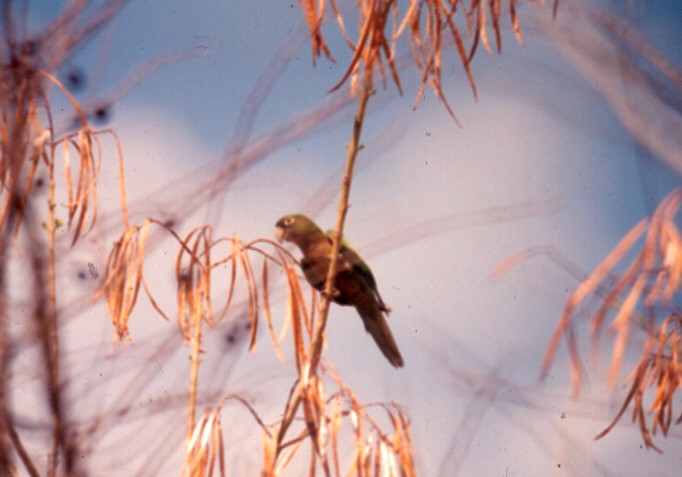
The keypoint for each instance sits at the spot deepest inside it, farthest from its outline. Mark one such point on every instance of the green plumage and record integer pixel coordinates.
(354, 282)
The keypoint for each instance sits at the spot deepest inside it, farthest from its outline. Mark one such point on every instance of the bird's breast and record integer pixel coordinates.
(315, 271)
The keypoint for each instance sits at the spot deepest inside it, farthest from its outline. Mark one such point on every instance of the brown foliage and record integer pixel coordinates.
(642, 295)
(329, 422)
(425, 23)
(659, 368)
(196, 261)
(30, 152)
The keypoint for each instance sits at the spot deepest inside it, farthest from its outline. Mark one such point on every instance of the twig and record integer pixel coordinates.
(5, 357)
(194, 373)
(353, 149)
(310, 370)
(50, 330)
(21, 450)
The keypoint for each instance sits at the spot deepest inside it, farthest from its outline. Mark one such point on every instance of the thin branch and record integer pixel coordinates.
(21, 450)
(309, 371)
(353, 150)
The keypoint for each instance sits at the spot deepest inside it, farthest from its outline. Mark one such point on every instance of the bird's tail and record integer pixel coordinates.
(377, 326)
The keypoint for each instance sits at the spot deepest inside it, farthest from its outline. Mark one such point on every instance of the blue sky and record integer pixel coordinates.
(428, 206)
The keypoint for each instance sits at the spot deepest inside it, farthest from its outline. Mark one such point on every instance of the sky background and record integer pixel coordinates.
(541, 160)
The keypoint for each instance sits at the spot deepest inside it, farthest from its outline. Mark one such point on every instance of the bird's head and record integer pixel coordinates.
(298, 229)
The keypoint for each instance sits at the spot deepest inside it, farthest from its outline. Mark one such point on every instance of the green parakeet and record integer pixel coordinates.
(354, 283)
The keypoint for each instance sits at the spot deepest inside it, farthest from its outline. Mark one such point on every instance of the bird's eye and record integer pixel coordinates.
(289, 220)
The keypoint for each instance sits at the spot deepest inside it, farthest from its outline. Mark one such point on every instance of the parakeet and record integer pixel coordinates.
(354, 283)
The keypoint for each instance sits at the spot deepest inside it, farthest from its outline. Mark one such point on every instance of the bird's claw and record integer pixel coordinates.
(335, 294)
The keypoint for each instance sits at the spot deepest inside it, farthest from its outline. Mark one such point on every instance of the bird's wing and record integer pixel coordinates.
(354, 261)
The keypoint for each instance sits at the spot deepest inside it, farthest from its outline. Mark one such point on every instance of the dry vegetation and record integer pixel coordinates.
(28, 225)
(322, 418)
(34, 147)
(641, 296)
(636, 287)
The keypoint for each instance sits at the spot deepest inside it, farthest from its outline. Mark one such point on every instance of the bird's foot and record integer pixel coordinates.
(335, 294)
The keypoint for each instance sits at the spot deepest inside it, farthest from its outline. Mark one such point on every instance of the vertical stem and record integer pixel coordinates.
(311, 369)
(353, 150)
(194, 372)
(51, 340)
(23, 215)
(21, 450)
(17, 101)
(5, 355)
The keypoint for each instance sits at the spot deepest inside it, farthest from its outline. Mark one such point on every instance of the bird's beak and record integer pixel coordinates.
(279, 234)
